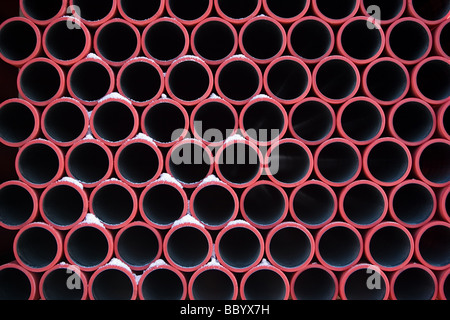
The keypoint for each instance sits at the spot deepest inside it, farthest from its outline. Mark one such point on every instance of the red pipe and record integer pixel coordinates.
(431, 162)
(287, 11)
(431, 245)
(141, 13)
(63, 282)
(444, 204)
(18, 53)
(433, 14)
(363, 204)
(19, 205)
(413, 282)
(41, 81)
(141, 80)
(43, 13)
(335, 13)
(19, 122)
(239, 246)
(387, 11)
(443, 123)
(18, 283)
(313, 204)
(93, 14)
(314, 282)
(444, 282)
(237, 12)
(389, 246)
(39, 163)
(38, 247)
(442, 38)
(339, 246)
(114, 202)
(190, 13)
(63, 204)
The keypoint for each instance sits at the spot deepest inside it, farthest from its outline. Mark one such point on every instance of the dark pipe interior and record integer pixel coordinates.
(213, 284)
(16, 205)
(162, 284)
(93, 10)
(187, 247)
(414, 284)
(88, 163)
(312, 121)
(138, 162)
(356, 287)
(433, 79)
(262, 39)
(189, 80)
(140, 9)
(287, 79)
(444, 39)
(336, 9)
(290, 247)
(446, 120)
(15, 285)
(239, 247)
(361, 120)
(64, 43)
(310, 39)
(63, 205)
(437, 11)
(286, 8)
(289, 162)
(90, 81)
(117, 42)
(164, 40)
(238, 9)
(434, 163)
(336, 79)
(390, 246)
(313, 204)
(87, 246)
(55, 287)
(163, 204)
(17, 122)
(112, 284)
(386, 80)
(164, 122)
(140, 81)
(265, 285)
(389, 9)
(113, 121)
(189, 163)
(216, 117)
(263, 121)
(138, 246)
(434, 245)
(339, 246)
(413, 121)
(409, 40)
(188, 10)
(359, 41)
(264, 204)
(64, 122)
(214, 205)
(37, 247)
(39, 163)
(314, 284)
(364, 204)
(42, 10)
(40, 81)
(239, 163)
(238, 80)
(17, 50)
(214, 40)
(413, 203)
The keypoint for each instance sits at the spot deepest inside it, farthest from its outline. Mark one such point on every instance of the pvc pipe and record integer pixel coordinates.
(116, 41)
(214, 203)
(339, 246)
(40, 81)
(138, 161)
(389, 246)
(239, 246)
(413, 282)
(286, 11)
(431, 15)
(335, 13)
(138, 245)
(444, 282)
(432, 245)
(237, 12)
(17, 53)
(360, 40)
(214, 40)
(443, 121)
(213, 282)
(412, 203)
(39, 163)
(141, 80)
(213, 121)
(114, 120)
(18, 205)
(444, 204)
(388, 12)
(165, 40)
(141, 13)
(363, 204)
(238, 79)
(63, 282)
(187, 245)
(93, 14)
(408, 40)
(63, 204)
(38, 247)
(314, 282)
(335, 79)
(89, 245)
(264, 282)
(312, 121)
(353, 283)
(311, 39)
(162, 282)
(430, 80)
(19, 122)
(17, 283)
(289, 246)
(387, 161)
(89, 161)
(114, 202)
(337, 162)
(442, 38)
(190, 13)
(289, 163)
(166, 121)
(44, 12)
(66, 41)
(90, 79)
(431, 162)
(313, 204)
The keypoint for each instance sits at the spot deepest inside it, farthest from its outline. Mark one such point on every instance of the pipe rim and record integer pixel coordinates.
(417, 167)
(431, 23)
(416, 249)
(443, 279)
(144, 22)
(437, 39)
(93, 23)
(444, 213)
(39, 22)
(314, 266)
(331, 21)
(165, 267)
(394, 276)
(283, 19)
(70, 269)
(237, 21)
(189, 22)
(255, 269)
(441, 125)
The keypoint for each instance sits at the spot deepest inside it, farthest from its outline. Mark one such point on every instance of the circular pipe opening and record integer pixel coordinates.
(189, 12)
(433, 245)
(314, 283)
(163, 284)
(389, 9)
(356, 288)
(335, 11)
(432, 163)
(237, 11)
(94, 13)
(431, 79)
(423, 288)
(17, 204)
(15, 284)
(44, 10)
(19, 122)
(18, 51)
(264, 284)
(213, 284)
(140, 11)
(444, 39)
(54, 286)
(112, 284)
(432, 14)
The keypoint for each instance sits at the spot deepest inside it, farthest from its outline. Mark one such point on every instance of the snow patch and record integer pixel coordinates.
(264, 263)
(187, 219)
(92, 219)
(238, 222)
(234, 138)
(261, 96)
(164, 96)
(93, 56)
(165, 177)
(209, 179)
(114, 95)
(215, 96)
(157, 263)
(142, 136)
(191, 58)
(118, 263)
(72, 181)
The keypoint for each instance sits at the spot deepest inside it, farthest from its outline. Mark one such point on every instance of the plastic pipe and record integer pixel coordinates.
(90, 79)
(63, 204)
(93, 14)
(432, 245)
(237, 12)
(443, 121)
(214, 40)
(116, 41)
(19, 205)
(141, 12)
(39, 163)
(313, 204)
(17, 283)
(339, 246)
(165, 40)
(389, 246)
(387, 161)
(363, 204)
(264, 282)
(310, 39)
(38, 247)
(19, 122)
(63, 282)
(335, 79)
(189, 13)
(44, 12)
(412, 203)
(431, 162)
(335, 13)
(17, 53)
(337, 162)
(40, 81)
(89, 161)
(114, 202)
(138, 245)
(89, 245)
(388, 12)
(314, 282)
(239, 246)
(408, 40)
(430, 14)
(289, 246)
(444, 204)
(141, 80)
(354, 283)
(413, 282)
(286, 11)
(442, 38)
(213, 282)
(444, 285)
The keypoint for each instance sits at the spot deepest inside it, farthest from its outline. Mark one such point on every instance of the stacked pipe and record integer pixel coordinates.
(227, 150)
